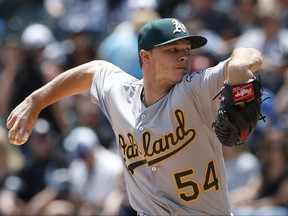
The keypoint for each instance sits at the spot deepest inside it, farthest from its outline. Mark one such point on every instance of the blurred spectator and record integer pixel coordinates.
(11, 57)
(225, 5)
(46, 52)
(79, 111)
(93, 16)
(245, 14)
(94, 172)
(59, 208)
(24, 69)
(37, 178)
(268, 194)
(92, 116)
(283, 4)
(268, 109)
(80, 48)
(11, 162)
(138, 4)
(166, 7)
(18, 14)
(241, 167)
(120, 47)
(270, 39)
(271, 119)
(212, 18)
(281, 101)
(11, 158)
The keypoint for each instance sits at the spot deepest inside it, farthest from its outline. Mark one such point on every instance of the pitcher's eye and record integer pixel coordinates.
(188, 50)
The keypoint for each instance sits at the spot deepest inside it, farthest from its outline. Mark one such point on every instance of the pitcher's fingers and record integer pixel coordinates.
(12, 135)
(18, 136)
(10, 122)
(21, 136)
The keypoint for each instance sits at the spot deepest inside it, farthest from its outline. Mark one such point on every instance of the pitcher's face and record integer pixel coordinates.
(172, 61)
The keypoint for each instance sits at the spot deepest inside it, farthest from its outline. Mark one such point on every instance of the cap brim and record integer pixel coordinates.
(196, 41)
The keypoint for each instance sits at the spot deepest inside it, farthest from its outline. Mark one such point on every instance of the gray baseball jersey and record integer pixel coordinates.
(173, 159)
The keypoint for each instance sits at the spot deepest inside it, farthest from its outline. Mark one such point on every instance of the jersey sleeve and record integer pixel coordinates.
(207, 82)
(202, 86)
(106, 76)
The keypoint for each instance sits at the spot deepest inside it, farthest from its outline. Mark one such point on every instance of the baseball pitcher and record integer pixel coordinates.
(171, 125)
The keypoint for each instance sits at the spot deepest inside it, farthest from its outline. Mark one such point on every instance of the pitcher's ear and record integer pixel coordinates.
(145, 56)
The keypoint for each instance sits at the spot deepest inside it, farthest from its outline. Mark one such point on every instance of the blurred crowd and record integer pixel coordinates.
(70, 164)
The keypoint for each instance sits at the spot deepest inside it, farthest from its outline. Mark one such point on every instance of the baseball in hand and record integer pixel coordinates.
(24, 139)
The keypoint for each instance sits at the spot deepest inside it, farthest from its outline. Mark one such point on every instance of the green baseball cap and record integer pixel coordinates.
(164, 31)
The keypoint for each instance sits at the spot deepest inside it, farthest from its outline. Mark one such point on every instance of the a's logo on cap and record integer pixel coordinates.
(179, 27)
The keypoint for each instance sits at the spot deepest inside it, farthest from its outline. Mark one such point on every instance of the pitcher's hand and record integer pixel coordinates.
(21, 122)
